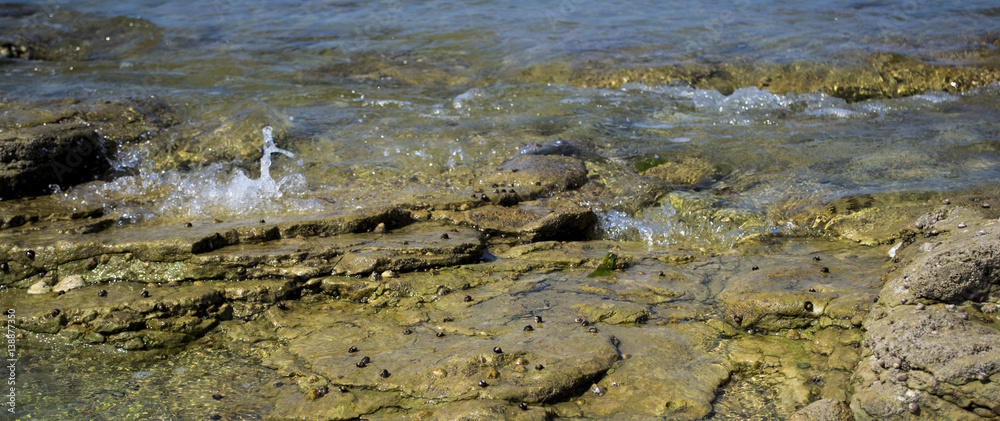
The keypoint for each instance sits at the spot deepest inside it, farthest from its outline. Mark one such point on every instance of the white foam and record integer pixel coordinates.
(215, 190)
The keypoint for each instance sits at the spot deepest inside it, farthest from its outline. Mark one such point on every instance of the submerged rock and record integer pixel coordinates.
(858, 78)
(536, 176)
(824, 410)
(794, 291)
(55, 33)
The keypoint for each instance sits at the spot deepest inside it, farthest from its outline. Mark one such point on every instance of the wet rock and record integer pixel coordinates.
(863, 76)
(795, 294)
(168, 317)
(68, 142)
(614, 313)
(671, 374)
(414, 359)
(233, 138)
(824, 410)
(534, 221)
(687, 172)
(60, 34)
(536, 176)
(413, 247)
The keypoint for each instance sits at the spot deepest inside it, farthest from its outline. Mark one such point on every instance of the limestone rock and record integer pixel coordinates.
(68, 142)
(824, 410)
(536, 175)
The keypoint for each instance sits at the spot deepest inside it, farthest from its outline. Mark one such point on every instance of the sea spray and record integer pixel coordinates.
(265, 161)
(215, 190)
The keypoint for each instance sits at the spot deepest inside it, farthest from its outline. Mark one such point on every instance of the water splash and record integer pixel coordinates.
(265, 161)
(212, 191)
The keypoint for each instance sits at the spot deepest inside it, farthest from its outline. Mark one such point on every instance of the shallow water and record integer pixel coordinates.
(373, 99)
(386, 101)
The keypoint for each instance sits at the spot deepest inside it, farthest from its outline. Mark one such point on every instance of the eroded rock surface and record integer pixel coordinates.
(930, 351)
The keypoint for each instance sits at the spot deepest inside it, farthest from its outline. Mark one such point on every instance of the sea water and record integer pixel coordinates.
(386, 97)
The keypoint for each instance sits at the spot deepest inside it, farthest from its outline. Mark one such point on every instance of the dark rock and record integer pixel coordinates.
(67, 142)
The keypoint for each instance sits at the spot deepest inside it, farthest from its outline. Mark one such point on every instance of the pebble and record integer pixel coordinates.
(493, 374)
(407, 331)
(497, 350)
(30, 254)
(913, 407)
(440, 373)
(523, 406)
(961, 225)
(102, 293)
(342, 389)
(980, 233)
(597, 389)
(4, 266)
(593, 330)
(962, 315)
(528, 328)
(384, 374)
(539, 367)
(389, 274)
(144, 294)
(352, 349)
(920, 306)
(40, 287)
(808, 306)
(902, 378)
(896, 363)
(538, 319)
(215, 417)
(824, 269)
(217, 396)
(468, 298)
(483, 384)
